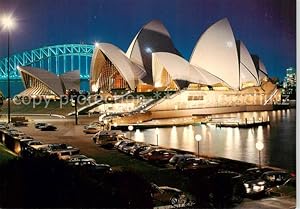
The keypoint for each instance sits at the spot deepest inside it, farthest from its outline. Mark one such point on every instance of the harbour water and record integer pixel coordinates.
(279, 138)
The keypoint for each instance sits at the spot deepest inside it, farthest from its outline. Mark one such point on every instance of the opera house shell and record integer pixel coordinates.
(42, 83)
(219, 65)
(152, 59)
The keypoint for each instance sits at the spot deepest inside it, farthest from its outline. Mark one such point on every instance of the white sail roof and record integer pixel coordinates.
(71, 80)
(248, 71)
(263, 69)
(180, 69)
(49, 79)
(153, 37)
(216, 52)
(129, 71)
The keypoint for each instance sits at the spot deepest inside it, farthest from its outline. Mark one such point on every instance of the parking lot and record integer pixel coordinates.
(162, 175)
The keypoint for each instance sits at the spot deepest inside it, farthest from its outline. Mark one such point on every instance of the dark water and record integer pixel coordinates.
(279, 139)
(17, 86)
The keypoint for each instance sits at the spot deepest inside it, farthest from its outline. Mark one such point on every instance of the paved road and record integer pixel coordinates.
(269, 203)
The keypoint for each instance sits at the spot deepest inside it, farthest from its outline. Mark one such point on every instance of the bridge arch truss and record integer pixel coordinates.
(57, 59)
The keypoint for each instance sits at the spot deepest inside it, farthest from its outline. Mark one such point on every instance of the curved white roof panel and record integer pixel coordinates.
(129, 71)
(247, 68)
(71, 80)
(260, 67)
(51, 80)
(153, 37)
(180, 69)
(216, 52)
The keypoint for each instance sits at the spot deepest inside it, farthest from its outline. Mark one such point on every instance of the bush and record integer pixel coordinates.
(49, 182)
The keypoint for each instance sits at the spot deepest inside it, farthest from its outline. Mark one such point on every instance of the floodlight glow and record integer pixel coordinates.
(156, 131)
(259, 146)
(8, 22)
(130, 128)
(198, 137)
(148, 49)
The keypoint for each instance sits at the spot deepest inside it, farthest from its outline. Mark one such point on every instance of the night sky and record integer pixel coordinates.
(267, 27)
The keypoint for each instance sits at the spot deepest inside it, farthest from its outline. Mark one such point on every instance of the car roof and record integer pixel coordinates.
(275, 172)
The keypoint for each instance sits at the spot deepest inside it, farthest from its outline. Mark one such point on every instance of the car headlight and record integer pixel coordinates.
(257, 188)
(260, 183)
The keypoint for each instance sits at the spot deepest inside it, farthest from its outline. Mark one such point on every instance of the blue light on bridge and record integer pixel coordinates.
(57, 59)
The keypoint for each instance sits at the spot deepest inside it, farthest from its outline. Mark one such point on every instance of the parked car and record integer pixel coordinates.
(64, 154)
(38, 125)
(214, 188)
(77, 158)
(195, 163)
(37, 150)
(135, 148)
(81, 161)
(34, 142)
(255, 173)
(127, 146)
(107, 139)
(48, 127)
(92, 129)
(15, 133)
(20, 123)
(25, 137)
(121, 143)
(124, 143)
(90, 165)
(159, 155)
(286, 189)
(58, 146)
(165, 195)
(145, 149)
(228, 188)
(3, 127)
(267, 180)
(95, 123)
(179, 157)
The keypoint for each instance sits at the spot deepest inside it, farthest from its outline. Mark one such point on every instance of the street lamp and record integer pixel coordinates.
(198, 138)
(74, 95)
(259, 146)
(130, 128)
(157, 132)
(8, 24)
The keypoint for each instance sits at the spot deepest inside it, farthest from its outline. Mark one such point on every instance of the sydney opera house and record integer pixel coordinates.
(42, 83)
(220, 73)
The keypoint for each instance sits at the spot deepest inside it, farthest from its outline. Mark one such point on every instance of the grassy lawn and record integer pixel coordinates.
(5, 154)
(54, 107)
(161, 175)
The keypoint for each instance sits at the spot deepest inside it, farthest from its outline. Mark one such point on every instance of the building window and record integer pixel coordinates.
(191, 98)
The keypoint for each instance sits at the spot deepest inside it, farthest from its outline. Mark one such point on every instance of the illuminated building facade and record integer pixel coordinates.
(289, 83)
(220, 71)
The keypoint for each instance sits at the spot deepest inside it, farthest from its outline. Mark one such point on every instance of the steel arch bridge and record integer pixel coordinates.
(57, 59)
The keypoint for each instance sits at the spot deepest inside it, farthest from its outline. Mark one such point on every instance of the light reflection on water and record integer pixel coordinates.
(279, 138)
